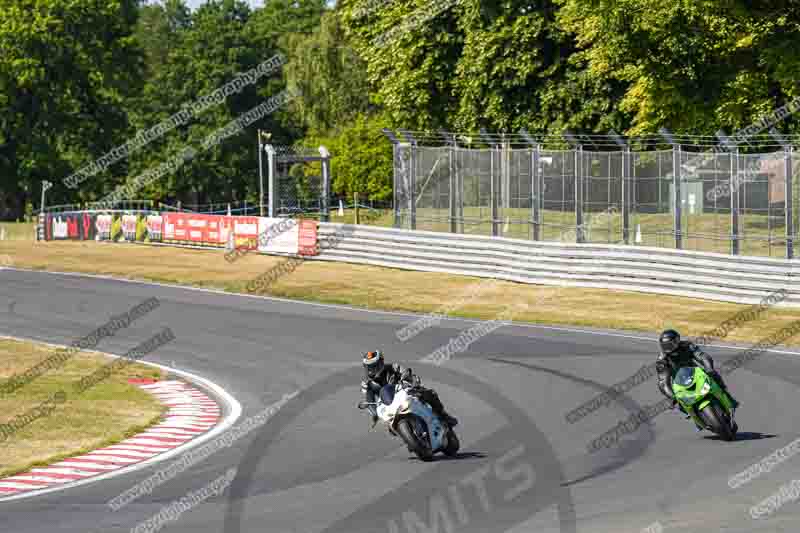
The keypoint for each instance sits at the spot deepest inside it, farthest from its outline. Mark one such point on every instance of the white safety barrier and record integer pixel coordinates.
(712, 276)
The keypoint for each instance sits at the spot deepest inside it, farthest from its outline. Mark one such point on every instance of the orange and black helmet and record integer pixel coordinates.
(373, 363)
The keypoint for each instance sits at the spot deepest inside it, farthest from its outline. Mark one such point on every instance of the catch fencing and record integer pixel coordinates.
(729, 202)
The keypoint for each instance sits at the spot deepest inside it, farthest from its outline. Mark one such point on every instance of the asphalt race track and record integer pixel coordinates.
(314, 467)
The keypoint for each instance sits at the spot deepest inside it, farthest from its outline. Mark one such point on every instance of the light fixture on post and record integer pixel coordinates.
(45, 186)
(262, 136)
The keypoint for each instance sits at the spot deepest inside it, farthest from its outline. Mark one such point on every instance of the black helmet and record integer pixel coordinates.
(669, 340)
(373, 363)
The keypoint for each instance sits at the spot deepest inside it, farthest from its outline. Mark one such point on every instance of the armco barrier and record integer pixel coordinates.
(711, 276)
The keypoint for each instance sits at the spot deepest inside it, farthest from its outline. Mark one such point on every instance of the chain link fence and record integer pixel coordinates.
(728, 202)
(301, 181)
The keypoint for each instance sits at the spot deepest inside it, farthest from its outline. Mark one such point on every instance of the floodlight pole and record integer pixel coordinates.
(45, 186)
(260, 177)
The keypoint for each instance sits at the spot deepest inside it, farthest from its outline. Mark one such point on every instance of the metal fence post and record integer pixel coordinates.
(399, 185)
(535, 188)
(789, 208)
(627, 188)
(676, 186)
(505, 165)
(413, 160)
(494, 181)
(325, 212)
(536, 191)
(396, 183)
(493, 191)
(460, 188)
(734, 175)
(272, 200)
(453, 186)
(578, 154)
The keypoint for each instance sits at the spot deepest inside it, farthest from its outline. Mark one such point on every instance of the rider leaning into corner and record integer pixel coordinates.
(377, 374)
(675, 354)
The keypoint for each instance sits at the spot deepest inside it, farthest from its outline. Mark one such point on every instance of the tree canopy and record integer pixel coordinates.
(79, 78)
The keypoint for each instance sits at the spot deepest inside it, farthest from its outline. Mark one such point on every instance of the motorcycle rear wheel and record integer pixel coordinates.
(405, 428)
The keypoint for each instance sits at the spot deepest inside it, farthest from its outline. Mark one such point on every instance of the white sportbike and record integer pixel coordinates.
(414, 421)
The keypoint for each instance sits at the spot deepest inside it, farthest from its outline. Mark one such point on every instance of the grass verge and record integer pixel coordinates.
(17, 231)
(400, 290)
(109, 412)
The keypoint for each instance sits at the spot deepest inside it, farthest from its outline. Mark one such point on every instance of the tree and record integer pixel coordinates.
(361, 158)
(690, 65)
(517, 69)
(462, 66)
(330, 75)
(213, 49)
(411, 62)
(65, 69)
(158, 29)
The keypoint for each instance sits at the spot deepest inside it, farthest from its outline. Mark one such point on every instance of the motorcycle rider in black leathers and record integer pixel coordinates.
(377, 374)
(675, 354)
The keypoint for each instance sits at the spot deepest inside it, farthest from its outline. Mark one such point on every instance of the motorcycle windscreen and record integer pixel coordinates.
(387, 394)
(684, 377)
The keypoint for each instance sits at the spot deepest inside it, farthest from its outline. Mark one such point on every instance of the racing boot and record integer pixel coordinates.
(450, 420)
(436, 404)
(718, 378)
(441, 413)
(734, 401)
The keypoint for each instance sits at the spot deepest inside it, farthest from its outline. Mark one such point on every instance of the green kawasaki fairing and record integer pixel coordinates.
(705, 401)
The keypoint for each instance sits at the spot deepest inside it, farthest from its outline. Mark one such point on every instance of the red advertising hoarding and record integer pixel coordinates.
(176, 227)
(245, 231)
(307, 238)
(209, 230)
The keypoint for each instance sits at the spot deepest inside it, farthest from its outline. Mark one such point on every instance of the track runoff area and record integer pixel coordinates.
(301, 457)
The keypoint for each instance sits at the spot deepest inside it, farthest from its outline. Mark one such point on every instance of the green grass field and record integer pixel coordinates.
(398, 290)
(109, 412)
(17, 231)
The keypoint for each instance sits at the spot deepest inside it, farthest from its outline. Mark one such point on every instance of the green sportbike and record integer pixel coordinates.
(704, 401)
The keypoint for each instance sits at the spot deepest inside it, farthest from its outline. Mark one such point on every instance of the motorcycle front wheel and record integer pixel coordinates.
(405, 428)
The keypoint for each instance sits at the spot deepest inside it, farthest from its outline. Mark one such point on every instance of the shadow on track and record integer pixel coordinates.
(461, 456)
(744, 436)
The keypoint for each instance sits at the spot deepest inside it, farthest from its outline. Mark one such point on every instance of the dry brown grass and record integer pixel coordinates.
(391, 289)
(107, 413)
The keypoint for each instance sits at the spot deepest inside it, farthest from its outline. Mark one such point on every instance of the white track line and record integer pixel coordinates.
(367, 311)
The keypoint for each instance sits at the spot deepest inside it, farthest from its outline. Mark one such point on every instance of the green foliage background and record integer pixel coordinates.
(78, 78)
